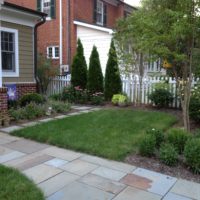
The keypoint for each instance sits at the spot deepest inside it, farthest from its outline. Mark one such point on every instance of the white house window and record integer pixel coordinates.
(100, 13)
(46, 5)
(53, 52)
(9, 52)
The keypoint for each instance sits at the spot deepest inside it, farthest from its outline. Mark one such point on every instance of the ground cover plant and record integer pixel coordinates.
(110, 133)
(15, 186)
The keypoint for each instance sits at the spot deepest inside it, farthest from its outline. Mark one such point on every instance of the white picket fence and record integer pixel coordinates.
(131, 86)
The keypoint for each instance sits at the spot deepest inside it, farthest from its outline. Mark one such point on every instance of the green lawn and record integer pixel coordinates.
(14, 186)
(111, 133)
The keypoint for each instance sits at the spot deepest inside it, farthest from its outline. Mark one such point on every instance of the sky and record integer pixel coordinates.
(133, 2)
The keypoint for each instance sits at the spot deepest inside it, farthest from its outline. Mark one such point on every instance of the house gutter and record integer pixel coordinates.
(43, 20)
(1, 74)
(61, 38)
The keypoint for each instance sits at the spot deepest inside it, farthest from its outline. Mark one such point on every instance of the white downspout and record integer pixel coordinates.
(1, 82)
(61, 38)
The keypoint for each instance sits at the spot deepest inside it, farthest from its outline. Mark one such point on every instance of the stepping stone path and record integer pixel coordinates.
(67, 175)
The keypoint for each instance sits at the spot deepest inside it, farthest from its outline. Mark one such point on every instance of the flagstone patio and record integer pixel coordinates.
(67, 175)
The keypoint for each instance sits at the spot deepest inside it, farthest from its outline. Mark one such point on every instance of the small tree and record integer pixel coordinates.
(79, 68)
(45, 71)
(95, 76)
(113, 83)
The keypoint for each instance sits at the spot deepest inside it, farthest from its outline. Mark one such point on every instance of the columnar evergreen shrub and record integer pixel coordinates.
(79, 68)
(113, 83)
(95, 76)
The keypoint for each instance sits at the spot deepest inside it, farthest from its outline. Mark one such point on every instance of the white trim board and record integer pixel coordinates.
(108, 30)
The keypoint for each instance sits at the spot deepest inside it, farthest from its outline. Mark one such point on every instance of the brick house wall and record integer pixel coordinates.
(3, 101)
(81, 10)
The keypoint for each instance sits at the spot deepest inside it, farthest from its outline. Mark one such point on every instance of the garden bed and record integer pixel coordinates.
(179, 171)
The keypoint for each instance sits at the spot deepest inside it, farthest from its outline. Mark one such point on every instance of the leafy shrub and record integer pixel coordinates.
(161, 97)
(75, 95)
(197, 133)
(178, 138)
(195, 104)
(59, 106)
(17, 114)
(147, 145)
(119, 99)
(12, 104)
(168, 154)
(56, 97)
(192, 154)
(30, 111)
(32, 97)
(159, 135)
(97, 98)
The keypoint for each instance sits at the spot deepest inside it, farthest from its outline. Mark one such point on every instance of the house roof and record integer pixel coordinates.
(23, 9)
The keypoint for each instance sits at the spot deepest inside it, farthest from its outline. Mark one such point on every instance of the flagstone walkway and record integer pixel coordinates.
(68, 175)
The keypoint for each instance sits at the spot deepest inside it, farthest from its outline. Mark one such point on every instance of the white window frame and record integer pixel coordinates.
(42, 9)
(53, 52)
(16, 38)
(102, 12)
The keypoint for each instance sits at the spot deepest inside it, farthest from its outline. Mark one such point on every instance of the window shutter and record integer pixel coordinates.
(53, 9)
(105, 15)
(95, 12)
(39, 5)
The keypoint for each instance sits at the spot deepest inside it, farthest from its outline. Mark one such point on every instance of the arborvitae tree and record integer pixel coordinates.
(113, 84)
(95, 76)
(79, 68)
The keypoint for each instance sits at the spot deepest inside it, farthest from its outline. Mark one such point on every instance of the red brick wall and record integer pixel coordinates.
(84, 11)
(3, 100)
(23, 89)
(48, 34)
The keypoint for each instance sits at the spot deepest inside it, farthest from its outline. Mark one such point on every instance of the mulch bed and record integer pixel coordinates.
(180, 171)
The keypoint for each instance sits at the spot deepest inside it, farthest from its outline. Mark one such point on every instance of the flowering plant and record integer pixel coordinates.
(97, 98)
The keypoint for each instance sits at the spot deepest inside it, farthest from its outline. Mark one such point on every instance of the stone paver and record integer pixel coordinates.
(11, 129)
(79, 167)
(171, 196)
(109, 173)
(46, 120)
(29, 124)
(156, 183)
(74, 114)
(103, 183)
(82, 107)
(56, 162)
(61, 117)
(11, 156)
(110, 164)
(135, 194)
(187, 189)
(26, 146)
(41, 173)
(62, 153)
(80, 191)
(29, 161)
(57, 182)
(5, 138)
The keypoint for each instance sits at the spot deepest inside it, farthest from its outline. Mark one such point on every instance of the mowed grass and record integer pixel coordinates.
(109, 133)
(15, 186)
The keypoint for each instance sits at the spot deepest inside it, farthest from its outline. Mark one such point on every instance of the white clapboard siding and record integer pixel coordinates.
(90, 37)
